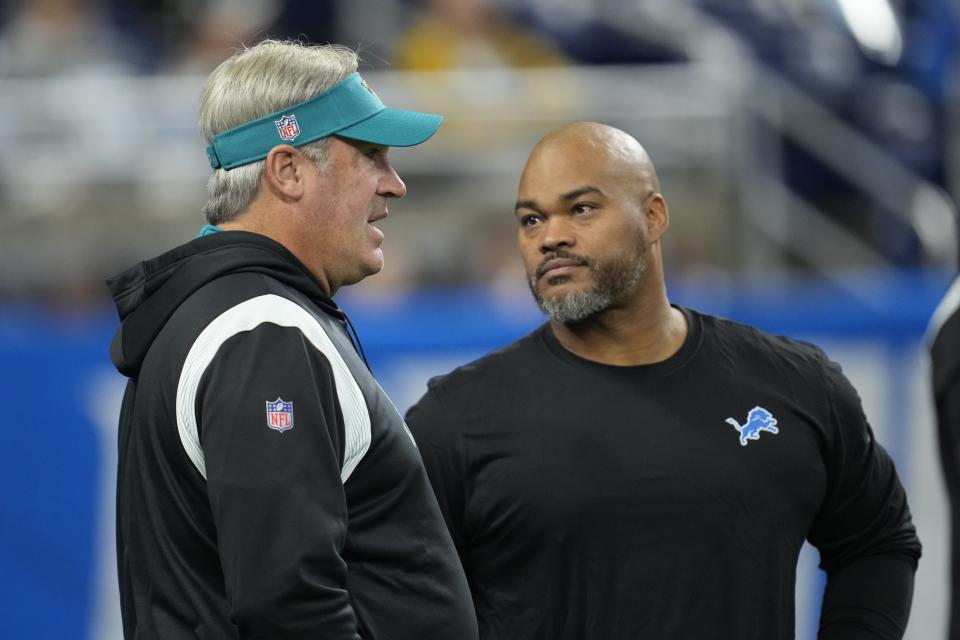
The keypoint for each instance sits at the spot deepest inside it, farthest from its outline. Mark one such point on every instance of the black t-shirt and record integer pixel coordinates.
(663, 501)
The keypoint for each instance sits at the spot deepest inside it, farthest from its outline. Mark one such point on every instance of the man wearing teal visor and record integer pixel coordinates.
(267, 487)
(349, 109)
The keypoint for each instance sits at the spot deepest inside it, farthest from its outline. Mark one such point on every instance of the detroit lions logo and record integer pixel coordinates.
(759, 419)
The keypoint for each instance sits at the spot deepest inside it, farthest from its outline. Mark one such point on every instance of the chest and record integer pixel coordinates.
(635, 455)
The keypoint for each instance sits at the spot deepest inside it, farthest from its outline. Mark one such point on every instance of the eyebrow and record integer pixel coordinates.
(576, 193)
(570, 195)
(526, 204)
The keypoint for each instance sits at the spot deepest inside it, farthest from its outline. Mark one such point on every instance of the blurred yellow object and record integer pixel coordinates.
(476, 48)
(433, 44)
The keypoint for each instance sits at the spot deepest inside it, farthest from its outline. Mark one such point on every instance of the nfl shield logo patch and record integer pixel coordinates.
(280, 415)
(288, 127)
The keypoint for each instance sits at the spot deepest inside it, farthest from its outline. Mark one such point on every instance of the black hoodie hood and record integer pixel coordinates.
(148, 293)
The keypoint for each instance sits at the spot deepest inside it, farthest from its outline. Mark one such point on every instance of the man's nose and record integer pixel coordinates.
(557, 234)
(391, 186)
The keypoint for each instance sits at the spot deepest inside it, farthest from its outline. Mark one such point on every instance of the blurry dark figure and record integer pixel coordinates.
(945, 354)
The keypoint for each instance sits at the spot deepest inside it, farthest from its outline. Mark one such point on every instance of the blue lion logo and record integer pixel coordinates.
(759, 419)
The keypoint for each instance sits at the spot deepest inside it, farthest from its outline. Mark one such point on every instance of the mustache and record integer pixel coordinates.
(560, 253)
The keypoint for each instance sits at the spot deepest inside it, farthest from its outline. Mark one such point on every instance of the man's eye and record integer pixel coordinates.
(582, 207)
(529, 220)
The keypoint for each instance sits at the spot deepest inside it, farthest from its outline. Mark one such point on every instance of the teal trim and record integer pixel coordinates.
(350, 109)
(207, 229)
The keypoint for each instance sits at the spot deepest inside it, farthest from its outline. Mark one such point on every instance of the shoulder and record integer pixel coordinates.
(251, 289)
(800, 368)
(753, 345)
(493, 370)
(241, 309)
(241, 301)
(472, 389)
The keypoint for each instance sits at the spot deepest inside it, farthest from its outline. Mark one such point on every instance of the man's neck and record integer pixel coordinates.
(273, 227)
(645, 332)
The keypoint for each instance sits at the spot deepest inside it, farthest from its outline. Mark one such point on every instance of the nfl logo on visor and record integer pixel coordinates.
(288, 127)
(280, 415)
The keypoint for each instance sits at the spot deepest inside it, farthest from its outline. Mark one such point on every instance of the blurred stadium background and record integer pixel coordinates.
(808, 150)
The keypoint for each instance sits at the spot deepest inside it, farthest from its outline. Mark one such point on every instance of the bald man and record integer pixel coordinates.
(635, 469)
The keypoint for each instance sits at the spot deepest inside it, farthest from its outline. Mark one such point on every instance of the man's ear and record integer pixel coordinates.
(658, 216)
(283, 173)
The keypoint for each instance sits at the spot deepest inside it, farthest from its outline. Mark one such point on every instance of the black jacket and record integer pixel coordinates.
(267, 487)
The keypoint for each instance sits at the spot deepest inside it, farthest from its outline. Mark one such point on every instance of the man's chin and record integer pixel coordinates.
(558, 288)
(573, 304)
(375, 263)
(369, 268)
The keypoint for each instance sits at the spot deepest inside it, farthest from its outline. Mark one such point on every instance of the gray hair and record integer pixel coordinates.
(252, 83)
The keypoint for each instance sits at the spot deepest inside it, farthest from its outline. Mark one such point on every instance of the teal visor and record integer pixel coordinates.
(349, 109)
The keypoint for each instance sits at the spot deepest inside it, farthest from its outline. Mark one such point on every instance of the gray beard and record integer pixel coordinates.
(612, 283)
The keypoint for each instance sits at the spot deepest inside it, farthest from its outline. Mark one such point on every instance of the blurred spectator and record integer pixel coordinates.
(59, 37)
(471, 33)
(307, 20)
(221, 27)
(476, 35)
(161, 28)
(586, 31)
(194, 35)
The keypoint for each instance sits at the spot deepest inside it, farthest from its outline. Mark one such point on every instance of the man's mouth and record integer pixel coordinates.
(374, 230)
(558, 266)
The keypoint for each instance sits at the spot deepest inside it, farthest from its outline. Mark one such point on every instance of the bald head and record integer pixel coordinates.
(597, 145)
(590, 219)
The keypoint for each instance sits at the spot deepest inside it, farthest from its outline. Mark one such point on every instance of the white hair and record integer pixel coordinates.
(252, 83)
